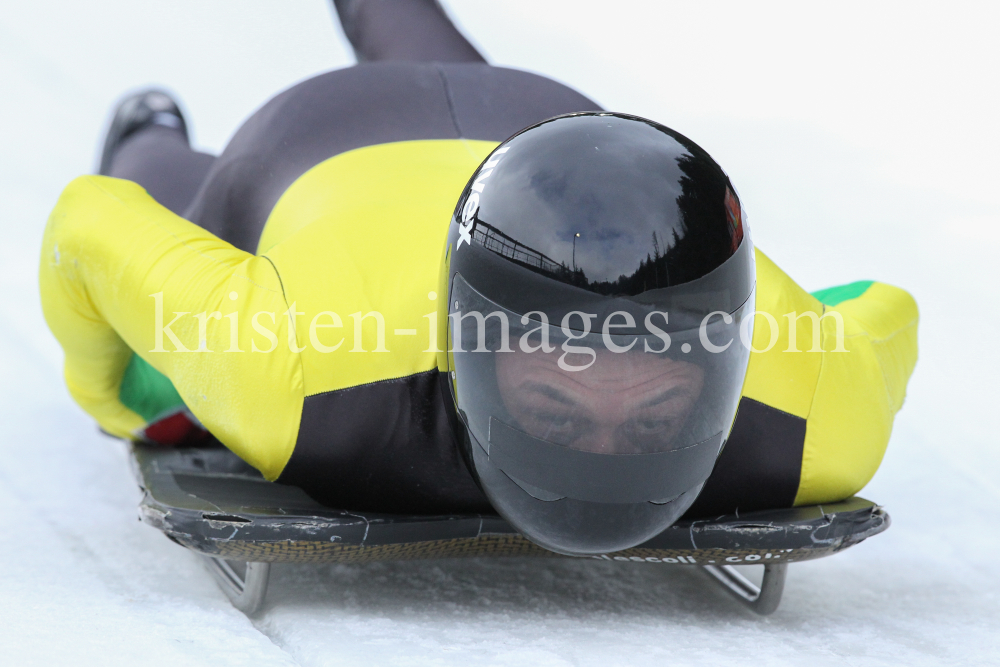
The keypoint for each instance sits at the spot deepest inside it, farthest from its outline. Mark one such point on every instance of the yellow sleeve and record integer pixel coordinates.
(858, 391)
(848, 392)
(121, 274)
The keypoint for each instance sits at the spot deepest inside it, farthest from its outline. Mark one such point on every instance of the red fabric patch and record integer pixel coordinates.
(173, 430)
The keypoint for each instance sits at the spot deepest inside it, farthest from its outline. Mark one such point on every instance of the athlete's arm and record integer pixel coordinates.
(845, 377)
(120, 274)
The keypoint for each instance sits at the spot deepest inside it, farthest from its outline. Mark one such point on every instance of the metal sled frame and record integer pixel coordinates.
(211, 502)
(763, 600)
(245, 586)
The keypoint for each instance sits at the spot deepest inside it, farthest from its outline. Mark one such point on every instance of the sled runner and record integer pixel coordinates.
(211, 502)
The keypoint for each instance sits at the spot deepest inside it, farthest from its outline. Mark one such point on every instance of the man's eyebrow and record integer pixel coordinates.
(550, 392)
(662, 397)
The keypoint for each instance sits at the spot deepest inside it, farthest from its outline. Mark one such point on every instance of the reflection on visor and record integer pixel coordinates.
(583, 387)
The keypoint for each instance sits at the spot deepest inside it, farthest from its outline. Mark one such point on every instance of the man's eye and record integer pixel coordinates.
(559, 428)
(650, 426)
(558, 422)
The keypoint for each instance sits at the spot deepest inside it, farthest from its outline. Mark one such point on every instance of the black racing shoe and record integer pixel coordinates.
(138, 111)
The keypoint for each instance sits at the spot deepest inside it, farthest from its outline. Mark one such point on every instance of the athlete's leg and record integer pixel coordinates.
(421, 80)
(410, 30)
(159, 159)
(147, 143)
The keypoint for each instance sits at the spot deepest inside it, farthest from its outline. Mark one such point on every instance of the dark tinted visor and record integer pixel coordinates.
(578, 384)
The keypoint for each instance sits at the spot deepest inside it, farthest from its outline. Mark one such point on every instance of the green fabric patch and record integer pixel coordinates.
(831, 296)
(146, 391)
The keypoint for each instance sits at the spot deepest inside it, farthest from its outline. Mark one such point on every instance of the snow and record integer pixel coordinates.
(863, 140)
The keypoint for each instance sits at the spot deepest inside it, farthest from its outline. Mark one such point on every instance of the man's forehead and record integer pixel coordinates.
(608, 369)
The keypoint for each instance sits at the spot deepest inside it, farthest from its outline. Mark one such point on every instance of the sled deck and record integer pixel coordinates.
(211, 502)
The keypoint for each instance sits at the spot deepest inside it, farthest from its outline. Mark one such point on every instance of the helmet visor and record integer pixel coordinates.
(578, 400)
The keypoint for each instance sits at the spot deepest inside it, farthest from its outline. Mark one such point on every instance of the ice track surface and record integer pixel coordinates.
(863, 143)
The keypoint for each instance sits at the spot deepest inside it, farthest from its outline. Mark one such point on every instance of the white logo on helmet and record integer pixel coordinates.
(472, 203)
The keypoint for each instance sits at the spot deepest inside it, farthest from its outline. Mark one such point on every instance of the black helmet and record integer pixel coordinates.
(600, 283)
